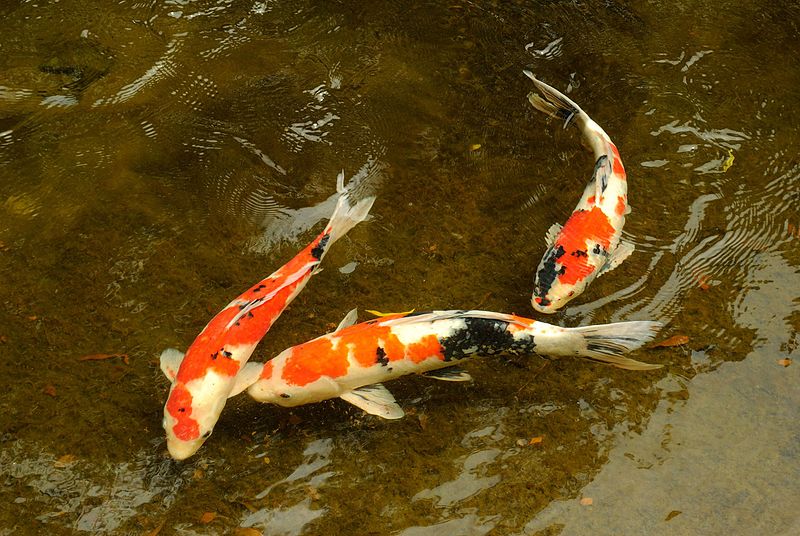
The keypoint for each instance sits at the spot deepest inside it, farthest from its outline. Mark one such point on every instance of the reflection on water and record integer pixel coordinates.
(156, 158)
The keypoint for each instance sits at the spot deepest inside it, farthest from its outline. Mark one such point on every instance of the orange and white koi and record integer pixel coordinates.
(588, 245)
(351, 362)
(210, 372)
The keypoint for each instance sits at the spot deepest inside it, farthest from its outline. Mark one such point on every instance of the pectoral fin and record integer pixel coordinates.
(449, 374)
(552, 233)
(171, 362)
(247, 376)
(348, 320)
(374, 399)
(622, 252)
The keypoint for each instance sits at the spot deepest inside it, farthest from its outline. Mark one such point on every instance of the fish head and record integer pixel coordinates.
(191, 411)
(560, 277)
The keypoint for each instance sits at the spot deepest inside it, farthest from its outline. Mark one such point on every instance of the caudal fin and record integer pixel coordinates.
(606, 343)
(347, 214)
(553, 102)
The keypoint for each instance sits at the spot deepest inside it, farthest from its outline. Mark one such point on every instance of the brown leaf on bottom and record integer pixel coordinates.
(103, 357)
(677, 340)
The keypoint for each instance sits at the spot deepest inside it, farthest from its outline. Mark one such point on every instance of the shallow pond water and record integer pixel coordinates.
(158, 157)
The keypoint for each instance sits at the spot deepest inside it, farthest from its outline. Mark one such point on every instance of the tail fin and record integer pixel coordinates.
(553, 102)
(606, 343)
(347, 215)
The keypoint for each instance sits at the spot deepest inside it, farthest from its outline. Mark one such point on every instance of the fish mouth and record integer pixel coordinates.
(543, 305)
(180, 450)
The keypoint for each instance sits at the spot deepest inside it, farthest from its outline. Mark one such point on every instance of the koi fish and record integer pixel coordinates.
(352, 362)
(588, 245)
(209, 373)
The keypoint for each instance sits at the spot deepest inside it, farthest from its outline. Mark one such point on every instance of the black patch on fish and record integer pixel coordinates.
(599, 250)
(484, 336)
(259, 287)
(215, 355)
(380, 356)
(319, 249)
(579, 253)
(286, 395)
(601, 172)
(548, 273)
(182, 410)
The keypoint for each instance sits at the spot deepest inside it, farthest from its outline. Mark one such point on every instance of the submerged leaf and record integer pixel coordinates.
(380, 314)
(726, 165)
(102, 357)
(587, 501)
(208, 517)
(785, 362)
(677, 340)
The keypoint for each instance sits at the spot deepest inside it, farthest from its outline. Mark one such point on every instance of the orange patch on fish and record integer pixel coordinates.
(617, 165)
(425, 348)
(591, 200)
(314, 359)
(583, 226)
(266, 370)
(179, 406)
(621, 205)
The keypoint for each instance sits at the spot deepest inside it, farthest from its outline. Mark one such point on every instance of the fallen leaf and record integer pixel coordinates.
(672, 514)
(702, 282)
(423, 421)
(198, 474)
(587, 501)
(33, 317)
(536, 440)
(65, 460)
(474, 146)
(246, 531)
(3, 339)
(102, 357)
(676, 340)
(266, 459)
(794, 230)
(313, 493)
(156, 530)
(49, 390)
(380, 314)
(726, 165)
(208, 517)
(785, 362)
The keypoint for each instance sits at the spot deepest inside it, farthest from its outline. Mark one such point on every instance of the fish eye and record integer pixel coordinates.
(286, 395)
(572, 293)
(207, 435)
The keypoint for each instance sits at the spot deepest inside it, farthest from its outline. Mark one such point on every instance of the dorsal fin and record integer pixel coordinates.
(348, 320)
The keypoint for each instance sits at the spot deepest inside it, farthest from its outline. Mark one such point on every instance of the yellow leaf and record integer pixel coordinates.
(726, 165)
(536, 440)
(587, 501)
(380, 314)
(474, 146)
(785, 362)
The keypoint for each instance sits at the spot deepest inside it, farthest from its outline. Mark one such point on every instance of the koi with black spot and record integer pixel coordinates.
(589, 243)
(352, 362)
